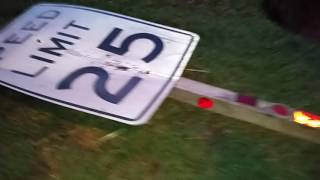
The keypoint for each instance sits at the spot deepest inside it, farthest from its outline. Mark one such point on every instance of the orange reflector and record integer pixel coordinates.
(205, 103)
(306, 119)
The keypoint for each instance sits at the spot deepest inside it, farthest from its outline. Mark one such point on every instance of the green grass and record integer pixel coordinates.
(243, 51)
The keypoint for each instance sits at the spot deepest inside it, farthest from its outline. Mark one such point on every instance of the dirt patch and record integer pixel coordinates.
(49, 148)
(47, 163)
(155, 167)
(299, 16)
(86, 138)
(21, 113)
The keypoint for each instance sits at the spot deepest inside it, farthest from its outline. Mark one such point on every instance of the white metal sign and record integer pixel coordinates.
(95, 61)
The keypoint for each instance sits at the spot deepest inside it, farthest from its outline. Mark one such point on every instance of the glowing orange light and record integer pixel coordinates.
(306, 119)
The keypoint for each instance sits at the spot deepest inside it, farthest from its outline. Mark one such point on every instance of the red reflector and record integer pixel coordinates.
(248, 100)
(280, 110)
(205, 103)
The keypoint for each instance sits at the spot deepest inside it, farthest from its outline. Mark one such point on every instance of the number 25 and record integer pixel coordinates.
(103, 76)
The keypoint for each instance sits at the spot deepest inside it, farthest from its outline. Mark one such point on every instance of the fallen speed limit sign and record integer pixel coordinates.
(95, 61)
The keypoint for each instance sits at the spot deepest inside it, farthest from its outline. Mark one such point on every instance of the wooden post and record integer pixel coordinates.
(188, 91)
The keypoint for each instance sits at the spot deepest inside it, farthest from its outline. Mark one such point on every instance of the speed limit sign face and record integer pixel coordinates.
(95, 61)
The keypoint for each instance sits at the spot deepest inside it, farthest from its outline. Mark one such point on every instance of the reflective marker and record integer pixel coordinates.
(306, 119)
(247, 100)
(205, 103)
(280, 110)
